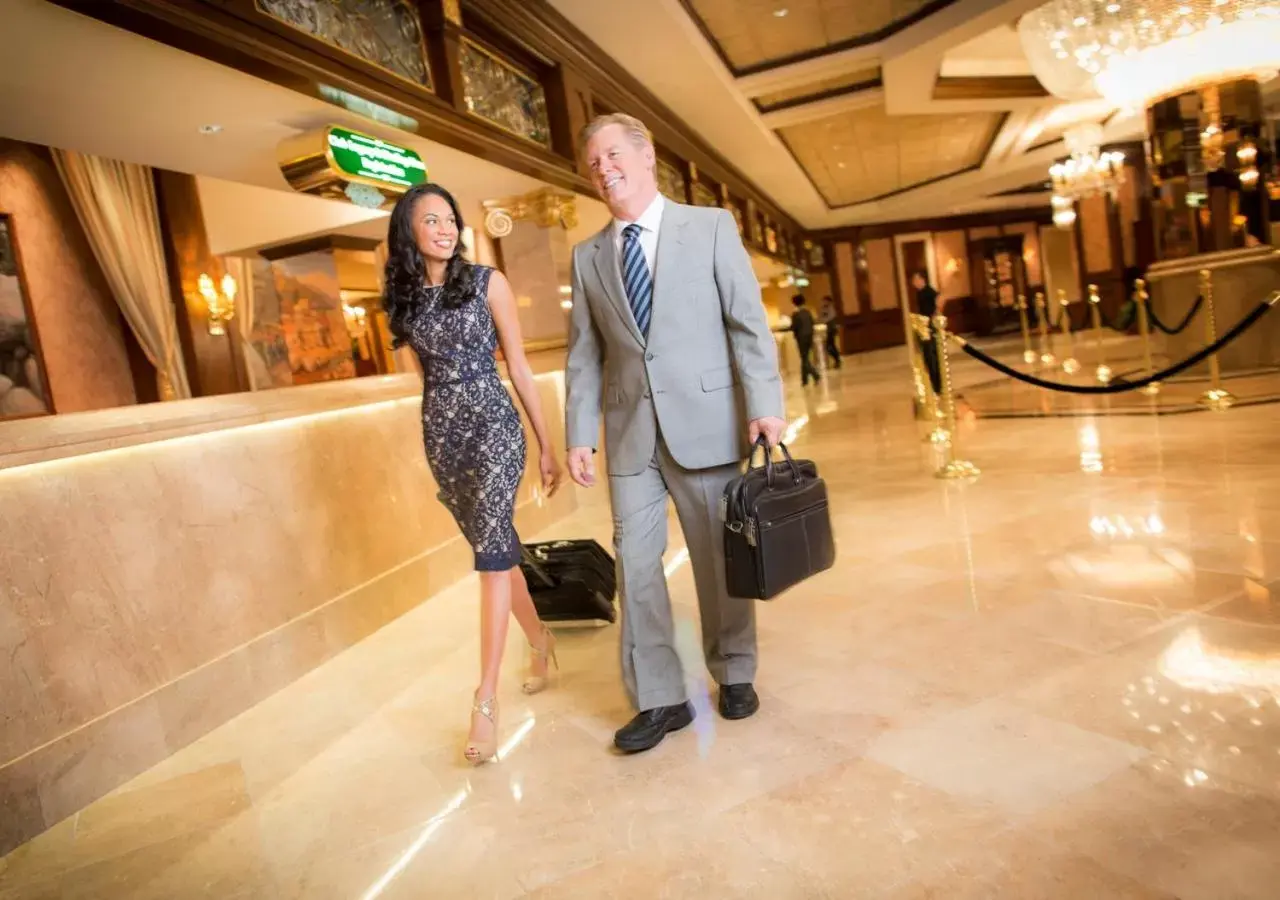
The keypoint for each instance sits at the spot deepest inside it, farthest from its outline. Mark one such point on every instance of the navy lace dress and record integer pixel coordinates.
(473, 435)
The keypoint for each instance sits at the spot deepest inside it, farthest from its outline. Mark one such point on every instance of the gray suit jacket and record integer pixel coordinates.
(710, 364)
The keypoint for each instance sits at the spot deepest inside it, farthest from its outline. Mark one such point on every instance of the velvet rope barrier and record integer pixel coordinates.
(1191, 314)
(1243, 325)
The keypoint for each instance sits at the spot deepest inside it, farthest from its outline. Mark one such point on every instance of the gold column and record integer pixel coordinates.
(1070, 364)
(951, 467)
(1140, 297)
(1046, 342)
(1216, 398)
(1103, 372)
(1028, 355)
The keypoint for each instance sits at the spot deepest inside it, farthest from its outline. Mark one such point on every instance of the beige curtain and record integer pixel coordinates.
(241, 270)
(116, 204)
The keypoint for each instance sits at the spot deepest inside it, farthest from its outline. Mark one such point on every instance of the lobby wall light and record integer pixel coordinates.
(219, 301)
(781, 13)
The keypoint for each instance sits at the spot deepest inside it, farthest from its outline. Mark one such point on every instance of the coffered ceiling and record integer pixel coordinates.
(755, 34)
(855, 111)
(869, 155)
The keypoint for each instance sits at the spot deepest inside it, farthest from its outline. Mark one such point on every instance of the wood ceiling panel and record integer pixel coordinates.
(751, 36)
(819, 88)
(860, 156)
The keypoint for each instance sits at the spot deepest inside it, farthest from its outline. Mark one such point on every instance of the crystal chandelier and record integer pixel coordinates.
(1135, 52)
(1088, 171)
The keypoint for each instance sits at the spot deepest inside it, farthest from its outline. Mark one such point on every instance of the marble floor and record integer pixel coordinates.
(1061, 680)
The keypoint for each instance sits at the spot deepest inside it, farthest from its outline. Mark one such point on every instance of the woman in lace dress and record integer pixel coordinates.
(454, 315)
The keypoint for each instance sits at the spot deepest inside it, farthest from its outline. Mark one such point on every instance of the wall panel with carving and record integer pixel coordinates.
(384, 33)
(500, 93)
(671, 182)
(703, 195)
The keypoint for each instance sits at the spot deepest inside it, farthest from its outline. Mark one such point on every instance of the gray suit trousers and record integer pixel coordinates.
(650, 667)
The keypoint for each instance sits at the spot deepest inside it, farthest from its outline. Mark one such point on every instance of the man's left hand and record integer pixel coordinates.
(769, 426)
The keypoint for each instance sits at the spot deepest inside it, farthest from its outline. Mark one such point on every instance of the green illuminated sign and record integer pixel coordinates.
(373, 161)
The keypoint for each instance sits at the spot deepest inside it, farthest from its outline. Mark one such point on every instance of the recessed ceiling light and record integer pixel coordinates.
(210, 129)
(780, 13)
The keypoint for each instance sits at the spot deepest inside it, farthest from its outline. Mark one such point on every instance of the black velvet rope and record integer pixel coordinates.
(1257, 313)
(1191, 314)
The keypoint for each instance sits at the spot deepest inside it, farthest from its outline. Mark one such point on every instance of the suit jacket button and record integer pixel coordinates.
(648, 357)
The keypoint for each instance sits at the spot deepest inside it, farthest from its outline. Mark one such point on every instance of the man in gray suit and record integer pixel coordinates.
(668, 335)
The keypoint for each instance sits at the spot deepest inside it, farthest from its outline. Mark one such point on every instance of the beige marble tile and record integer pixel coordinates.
(999, 754)
(1195, 838)
(860, 829)
(1019, 864)
(1156, 695)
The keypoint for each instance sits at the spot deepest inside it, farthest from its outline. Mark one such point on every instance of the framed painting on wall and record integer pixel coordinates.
(24, 390)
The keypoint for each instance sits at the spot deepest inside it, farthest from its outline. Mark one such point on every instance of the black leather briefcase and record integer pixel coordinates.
(777, 526)
(570, 580)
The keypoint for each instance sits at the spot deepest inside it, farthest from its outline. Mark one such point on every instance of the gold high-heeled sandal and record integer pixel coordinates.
(477, 752)
(533, 683)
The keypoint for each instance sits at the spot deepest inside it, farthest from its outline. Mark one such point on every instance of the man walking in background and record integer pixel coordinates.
(802, 328)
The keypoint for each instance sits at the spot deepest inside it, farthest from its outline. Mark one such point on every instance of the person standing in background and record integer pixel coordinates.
(802, 327)
(927, 305)
(830, 318)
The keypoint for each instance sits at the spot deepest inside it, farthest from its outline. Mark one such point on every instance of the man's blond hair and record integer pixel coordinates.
(637, 132)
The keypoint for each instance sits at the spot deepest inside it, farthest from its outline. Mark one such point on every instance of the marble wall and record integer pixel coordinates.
(166, 567)
(78, 322)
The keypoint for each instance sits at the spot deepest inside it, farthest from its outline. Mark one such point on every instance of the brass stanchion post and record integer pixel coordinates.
(1046, 342)
(933, 415)
(1140, 297)
(917, 375)
(951, 467)
(1103, 372)
(1028, 355)
(1216, 398)
(1070, 364)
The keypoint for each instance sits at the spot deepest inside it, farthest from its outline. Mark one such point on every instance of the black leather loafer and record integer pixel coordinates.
(738, 701)
(647, 730)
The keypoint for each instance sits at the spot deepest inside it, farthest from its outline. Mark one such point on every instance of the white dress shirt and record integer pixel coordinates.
(650, 221)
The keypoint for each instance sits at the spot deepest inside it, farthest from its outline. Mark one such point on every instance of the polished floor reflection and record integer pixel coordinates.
(1059, 681)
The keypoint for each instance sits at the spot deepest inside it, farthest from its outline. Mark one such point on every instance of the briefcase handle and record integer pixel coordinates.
(768, 460)
(735, 504)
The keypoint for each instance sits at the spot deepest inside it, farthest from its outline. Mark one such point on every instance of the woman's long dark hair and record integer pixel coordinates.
(406, 271)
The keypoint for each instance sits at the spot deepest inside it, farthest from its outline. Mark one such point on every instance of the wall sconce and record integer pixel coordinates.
(357, 320)
(952, 266)
(221, 304)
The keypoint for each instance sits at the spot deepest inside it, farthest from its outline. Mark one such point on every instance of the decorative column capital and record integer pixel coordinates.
(547, 208)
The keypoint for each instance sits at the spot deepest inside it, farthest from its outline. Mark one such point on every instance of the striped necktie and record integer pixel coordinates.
(636, 279)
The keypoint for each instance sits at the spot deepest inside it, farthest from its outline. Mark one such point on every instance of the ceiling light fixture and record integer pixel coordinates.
(1142, 51)
(210, 129)
(780, 13)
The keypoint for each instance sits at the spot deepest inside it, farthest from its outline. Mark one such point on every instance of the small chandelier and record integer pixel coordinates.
(1088, 172)
(220, 304)
(1136, 52)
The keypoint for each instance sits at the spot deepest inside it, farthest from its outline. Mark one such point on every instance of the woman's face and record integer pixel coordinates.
(435, 228)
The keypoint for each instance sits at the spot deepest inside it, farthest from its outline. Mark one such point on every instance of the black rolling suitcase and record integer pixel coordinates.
(570, 580)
